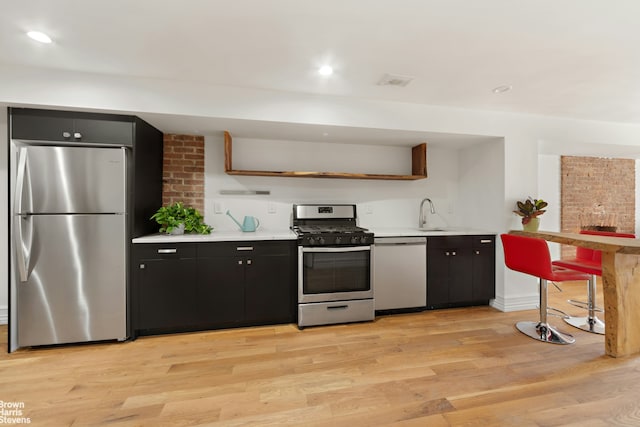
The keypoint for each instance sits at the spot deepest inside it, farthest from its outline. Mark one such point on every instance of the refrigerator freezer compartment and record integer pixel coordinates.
(70, 179)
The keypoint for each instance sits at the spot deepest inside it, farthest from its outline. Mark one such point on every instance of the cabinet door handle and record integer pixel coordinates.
(477, 252)
(337, 307)
(486, 241)
(244, 248)
(447, 253)
(66, 135)
(77, 135)
(453, 253)
(248, 262)
(167, 251)
(142, 266)
(240, 262)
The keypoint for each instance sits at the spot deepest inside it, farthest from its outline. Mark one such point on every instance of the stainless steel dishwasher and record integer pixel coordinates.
(400, 272)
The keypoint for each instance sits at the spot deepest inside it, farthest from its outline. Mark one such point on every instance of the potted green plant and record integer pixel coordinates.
(177, 219)
(530, 210)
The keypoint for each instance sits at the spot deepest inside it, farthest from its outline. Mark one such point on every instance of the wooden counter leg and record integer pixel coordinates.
(621, 289)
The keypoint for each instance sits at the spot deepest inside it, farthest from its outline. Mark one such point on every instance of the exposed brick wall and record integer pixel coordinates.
(183, 170)
(598, 190)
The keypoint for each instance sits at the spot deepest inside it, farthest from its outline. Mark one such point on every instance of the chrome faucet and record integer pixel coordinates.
(422, 219)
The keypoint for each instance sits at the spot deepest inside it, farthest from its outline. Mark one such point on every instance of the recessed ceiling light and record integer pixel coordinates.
(502, 89)
(325, 70)
(38, 36)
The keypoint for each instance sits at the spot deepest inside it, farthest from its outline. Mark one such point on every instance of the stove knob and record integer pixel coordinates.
(365, 239)
(338, 240)
(354, 240)
(312, 240)
(321, 240)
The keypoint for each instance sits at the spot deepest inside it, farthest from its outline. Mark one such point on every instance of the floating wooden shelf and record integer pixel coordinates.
(418, 167)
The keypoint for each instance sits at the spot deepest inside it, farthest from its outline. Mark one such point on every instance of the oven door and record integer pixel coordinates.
(334, 273)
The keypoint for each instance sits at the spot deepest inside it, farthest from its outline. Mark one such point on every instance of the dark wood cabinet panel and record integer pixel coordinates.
(40, 128)
(165, 291)
(460, 270)
(221, 290)
(269, 289)
(484, 268)
(104, 131)
(69, 126)
(437, 277)
(461, 275)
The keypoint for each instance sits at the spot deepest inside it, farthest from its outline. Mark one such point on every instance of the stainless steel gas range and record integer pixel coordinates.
(335, 265)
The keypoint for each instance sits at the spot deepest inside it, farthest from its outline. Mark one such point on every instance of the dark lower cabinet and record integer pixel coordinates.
(484, 268)
(165, 286)
(221, 287)
(270, 286)
(460, 270)
(216, 285)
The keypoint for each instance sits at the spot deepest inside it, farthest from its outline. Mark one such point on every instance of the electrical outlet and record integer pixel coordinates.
(368, 209)
(271, 208)
(217, 207)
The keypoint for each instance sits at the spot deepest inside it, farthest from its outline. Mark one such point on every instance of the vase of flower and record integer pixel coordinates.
(530, 210)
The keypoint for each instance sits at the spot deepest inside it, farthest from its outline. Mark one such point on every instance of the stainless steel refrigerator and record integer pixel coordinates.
(68, 244)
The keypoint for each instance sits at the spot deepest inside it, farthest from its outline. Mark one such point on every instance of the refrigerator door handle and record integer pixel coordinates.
(22, 258)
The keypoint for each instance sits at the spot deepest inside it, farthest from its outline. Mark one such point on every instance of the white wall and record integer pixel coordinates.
(521, 134)
(549, 175)
(481, 198)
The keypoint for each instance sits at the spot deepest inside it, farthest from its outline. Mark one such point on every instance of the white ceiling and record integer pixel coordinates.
(567, 58)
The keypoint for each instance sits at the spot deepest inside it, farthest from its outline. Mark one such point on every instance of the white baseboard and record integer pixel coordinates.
(515, 303)
(4, 315)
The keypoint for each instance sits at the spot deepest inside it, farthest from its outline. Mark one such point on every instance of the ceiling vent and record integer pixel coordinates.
(394, 80)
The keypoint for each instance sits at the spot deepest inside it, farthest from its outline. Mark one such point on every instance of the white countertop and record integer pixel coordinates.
(218, 236)
(234, 236)
(445, 231)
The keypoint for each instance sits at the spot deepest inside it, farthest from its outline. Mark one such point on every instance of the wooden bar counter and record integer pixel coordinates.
(620, 284)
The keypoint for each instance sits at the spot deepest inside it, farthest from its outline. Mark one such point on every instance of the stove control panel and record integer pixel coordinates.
(336, 239)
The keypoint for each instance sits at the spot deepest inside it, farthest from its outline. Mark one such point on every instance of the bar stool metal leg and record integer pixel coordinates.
(589, 323)
(541, 330)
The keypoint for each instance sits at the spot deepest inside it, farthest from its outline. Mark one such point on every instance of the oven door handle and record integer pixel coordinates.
(338, 249)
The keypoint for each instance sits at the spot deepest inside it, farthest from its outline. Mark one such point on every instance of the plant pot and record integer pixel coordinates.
(532, 225)
(177, 230)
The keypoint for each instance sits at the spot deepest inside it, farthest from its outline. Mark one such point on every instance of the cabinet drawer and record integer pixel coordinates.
(164, 251)
(328, 313)
(484, 241)
(245, 248)
(448, 242)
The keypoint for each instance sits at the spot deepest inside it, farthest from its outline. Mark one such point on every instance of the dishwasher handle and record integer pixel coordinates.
(399, 241)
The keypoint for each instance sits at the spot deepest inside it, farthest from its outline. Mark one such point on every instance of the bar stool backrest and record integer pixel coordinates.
(594, 254)
(528, 255)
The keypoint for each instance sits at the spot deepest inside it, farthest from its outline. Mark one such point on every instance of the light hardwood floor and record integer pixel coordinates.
(457, 367)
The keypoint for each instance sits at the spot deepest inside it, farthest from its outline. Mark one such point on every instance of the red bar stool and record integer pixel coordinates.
(531, 256)
(588, 261)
